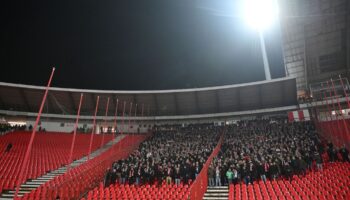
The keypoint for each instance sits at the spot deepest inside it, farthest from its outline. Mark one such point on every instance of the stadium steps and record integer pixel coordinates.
(216, 193)
(33, 184)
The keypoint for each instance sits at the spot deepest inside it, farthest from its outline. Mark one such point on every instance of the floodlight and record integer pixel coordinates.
(260, 14)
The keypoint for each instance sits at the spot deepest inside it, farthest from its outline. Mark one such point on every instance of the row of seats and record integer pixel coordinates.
(79, 180)
(121, 191)
(50, 151)
(331, 183)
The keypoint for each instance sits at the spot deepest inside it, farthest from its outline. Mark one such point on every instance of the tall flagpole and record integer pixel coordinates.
(105, 122)
(29, 147)
(115, 125)
(93, 127)
(74, 133)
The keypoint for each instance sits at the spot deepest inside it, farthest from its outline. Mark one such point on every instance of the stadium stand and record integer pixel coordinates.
(288, 159)
(175, 154)
(268, 159)
(263, 149)
(330, 183)
(77, 181)
(50, 151)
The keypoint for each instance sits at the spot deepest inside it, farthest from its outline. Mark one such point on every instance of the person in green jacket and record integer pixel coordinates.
(229, 175)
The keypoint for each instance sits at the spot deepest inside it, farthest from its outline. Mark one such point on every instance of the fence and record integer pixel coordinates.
(199, 186)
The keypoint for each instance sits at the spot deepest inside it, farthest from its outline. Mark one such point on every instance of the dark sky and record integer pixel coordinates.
(132, 44)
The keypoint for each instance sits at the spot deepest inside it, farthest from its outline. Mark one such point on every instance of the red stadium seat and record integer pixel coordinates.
(50, 151)
(87, 175)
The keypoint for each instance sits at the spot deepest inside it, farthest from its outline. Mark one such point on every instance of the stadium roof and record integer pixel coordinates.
(229, 98)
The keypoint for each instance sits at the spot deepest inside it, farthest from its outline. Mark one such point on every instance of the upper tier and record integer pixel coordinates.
(221, 99)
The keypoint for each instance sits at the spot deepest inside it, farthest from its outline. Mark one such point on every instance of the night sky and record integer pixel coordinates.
(132, 44)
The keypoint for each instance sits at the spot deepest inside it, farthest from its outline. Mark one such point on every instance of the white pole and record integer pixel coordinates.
(264, 55)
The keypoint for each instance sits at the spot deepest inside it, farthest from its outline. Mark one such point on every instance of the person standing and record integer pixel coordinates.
(131, 177)
(229, 176)
(344, 154)
(211, 175)
(138, 176)
(107, 179)
(235, 176)
(113, 176)
(177, 174)
(318, 159)
(168, 175)
(246, 175)
(217, 176)
(123, 176)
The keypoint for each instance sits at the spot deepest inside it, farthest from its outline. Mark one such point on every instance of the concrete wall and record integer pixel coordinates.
(68, 126)
(315, 39)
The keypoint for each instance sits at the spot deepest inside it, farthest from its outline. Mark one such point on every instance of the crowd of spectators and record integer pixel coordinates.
(173, 154)
(5, 127)
(266, 149)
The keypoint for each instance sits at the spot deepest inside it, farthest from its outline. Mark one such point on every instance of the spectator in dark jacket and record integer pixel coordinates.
(8, 147)
(211, 175)
(344, 154)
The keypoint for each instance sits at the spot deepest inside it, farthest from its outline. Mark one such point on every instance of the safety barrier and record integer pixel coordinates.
(199, 186)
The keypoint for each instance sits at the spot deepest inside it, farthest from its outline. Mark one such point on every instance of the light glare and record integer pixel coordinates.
(260, 14)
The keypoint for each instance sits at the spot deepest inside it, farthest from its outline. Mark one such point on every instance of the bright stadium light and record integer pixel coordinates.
(260, 14)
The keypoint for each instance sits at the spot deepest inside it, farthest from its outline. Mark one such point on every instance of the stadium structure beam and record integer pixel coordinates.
(130, 115)
(135, 115)
(175, 103)
(2, 104)
(283, 85)
(344, 90)
(116, 103)
(260, 96)
(123, 117)
(134, 99)
(345, 135)
(74, 133)
(217, 101)
(93, 126)
(71, 98)
(198, 110)
(93, 100)
(156, 106)
(105, 121)
(264, 56)
(25, 99)
(49, 102)
(238, 99)
(334, 108)
(30, 144)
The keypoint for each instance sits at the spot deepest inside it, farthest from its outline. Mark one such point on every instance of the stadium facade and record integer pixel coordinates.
(316, 40)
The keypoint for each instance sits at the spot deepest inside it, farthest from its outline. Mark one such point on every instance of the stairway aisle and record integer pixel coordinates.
(216, 193)
(32, 184)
